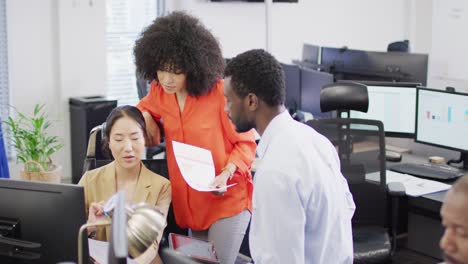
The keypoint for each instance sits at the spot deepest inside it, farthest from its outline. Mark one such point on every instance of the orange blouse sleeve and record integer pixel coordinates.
(243, 152)
(149, 103)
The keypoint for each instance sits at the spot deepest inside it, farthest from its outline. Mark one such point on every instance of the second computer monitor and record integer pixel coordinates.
(311, 84)
(442, 119)
(394, 104)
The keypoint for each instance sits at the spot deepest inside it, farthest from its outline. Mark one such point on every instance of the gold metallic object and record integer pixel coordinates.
(145, 225)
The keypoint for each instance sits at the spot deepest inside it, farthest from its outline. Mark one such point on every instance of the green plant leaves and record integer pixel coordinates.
(30, 139)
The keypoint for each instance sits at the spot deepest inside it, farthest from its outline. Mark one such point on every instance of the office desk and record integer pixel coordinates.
(424, 221)
(422, 215)
(424, 224)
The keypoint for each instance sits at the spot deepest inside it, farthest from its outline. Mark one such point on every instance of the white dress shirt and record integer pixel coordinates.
(302, 206)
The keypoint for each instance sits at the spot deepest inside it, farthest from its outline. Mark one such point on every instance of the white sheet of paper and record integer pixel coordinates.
(196, 165)
(414, 186)
(99, 251)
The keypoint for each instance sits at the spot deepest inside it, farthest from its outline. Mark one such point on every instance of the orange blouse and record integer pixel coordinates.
(203, 123)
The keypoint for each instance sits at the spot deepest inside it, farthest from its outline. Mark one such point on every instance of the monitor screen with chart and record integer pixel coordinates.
(442, 119)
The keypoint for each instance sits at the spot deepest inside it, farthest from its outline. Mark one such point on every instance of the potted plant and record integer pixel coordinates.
(34, 147)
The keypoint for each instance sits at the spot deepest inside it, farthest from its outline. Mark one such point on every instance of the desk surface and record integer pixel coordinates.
(422, 213)
(411, 158)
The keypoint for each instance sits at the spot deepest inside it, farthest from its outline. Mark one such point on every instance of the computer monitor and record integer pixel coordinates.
(311, 84)
(345, 63)
(349, 64)
(392, 103)
(310, 53)
(47, 213)
(410, 67)
(442, 120)
(292, 78)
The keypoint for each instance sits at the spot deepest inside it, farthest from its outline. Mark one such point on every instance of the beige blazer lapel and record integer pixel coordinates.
(108, 184)
(143, 186)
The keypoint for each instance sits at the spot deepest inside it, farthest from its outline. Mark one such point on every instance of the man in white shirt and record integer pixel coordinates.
(454, 212)
(302, 207)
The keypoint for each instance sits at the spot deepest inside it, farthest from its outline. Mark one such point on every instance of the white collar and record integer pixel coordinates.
(275, 125)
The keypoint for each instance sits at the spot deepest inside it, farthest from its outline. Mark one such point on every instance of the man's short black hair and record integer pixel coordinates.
(258, 72)
(179, 43)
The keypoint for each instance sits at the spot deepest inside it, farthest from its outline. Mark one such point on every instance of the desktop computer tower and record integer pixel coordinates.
(85, 114)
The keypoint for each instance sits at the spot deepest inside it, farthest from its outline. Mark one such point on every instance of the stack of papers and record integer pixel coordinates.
(414, 186)
(196, 165)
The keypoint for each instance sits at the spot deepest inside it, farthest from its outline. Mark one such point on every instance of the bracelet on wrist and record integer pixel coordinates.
(229, 171)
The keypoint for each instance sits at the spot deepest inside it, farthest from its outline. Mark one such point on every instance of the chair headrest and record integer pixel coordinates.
(402, 46)
(103, 130)
(344, 96)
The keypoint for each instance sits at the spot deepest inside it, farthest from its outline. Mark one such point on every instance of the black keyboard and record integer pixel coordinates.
(429, 171)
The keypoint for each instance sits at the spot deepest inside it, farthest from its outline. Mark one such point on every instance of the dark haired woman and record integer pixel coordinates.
(125, 136)
(184, 62)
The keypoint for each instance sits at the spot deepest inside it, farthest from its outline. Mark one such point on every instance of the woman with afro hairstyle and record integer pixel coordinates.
(183, 61)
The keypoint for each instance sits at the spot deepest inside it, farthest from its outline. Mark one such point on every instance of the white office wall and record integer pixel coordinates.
(82, 47)
(362, 24)
(56, 50)
(82, 63)
(32, 50)
(420, 25)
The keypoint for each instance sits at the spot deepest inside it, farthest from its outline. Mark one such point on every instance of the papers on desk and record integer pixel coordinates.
(414, 186)
(196, 166)
(99, 251)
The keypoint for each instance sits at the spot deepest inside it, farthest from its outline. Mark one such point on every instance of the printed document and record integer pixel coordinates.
(414, 186)
(196, 165)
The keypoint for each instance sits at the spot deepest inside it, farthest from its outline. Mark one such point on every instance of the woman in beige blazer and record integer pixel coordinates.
(125, 136)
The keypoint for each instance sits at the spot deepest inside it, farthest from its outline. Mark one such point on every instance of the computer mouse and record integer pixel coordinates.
(392, 156)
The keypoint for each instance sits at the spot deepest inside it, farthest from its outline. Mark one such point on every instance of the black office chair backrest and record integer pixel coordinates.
(401, 46)
(142, 85)
(344, 96)
(360, 145)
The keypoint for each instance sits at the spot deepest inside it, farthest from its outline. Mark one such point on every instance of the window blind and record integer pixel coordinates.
(4, 91)
(125, 21)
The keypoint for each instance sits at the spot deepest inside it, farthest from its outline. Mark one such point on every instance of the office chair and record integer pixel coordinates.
(95, 158)
(401, 46)
(143, 87)
(352, 138)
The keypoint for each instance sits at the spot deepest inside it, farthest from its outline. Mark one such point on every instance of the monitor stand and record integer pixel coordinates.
(463, 160)
(15, 248)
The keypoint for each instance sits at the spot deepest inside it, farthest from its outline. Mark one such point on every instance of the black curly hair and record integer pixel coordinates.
(258, 72)
(180, 43)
